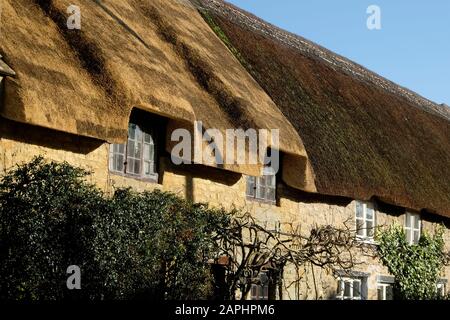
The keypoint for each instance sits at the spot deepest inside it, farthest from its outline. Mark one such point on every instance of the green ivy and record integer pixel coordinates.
(416, 267)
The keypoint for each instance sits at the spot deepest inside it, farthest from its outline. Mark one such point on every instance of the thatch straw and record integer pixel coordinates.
(363, 140)
(157, 55)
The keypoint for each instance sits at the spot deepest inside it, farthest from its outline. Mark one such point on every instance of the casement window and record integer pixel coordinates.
(351, 288)
(385, 291)
(137, 157)
(365, 220)
(385, 287)
(412, 227)
(262, 188)
(441, 289)
(260, 290)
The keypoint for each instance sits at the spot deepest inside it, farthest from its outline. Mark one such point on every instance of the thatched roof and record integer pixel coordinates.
(157, 55)
(365, 136)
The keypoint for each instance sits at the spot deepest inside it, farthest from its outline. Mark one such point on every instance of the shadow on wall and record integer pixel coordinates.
(287, 192)
(434, 218)
(189, 189)
(192, 171)
(47, 138)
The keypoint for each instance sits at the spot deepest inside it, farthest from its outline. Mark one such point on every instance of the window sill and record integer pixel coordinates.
(349, 299)
(369, 241)
(269, 202)
(150, 179)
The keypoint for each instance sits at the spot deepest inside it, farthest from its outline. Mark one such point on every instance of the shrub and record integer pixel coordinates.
(150, 245)
(416, 267)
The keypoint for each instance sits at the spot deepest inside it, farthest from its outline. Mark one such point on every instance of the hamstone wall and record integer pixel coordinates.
(20, 143)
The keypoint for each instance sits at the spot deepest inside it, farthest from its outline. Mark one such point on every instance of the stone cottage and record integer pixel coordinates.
(108, 96)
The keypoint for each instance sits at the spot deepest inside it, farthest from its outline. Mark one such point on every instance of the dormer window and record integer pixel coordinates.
(365, 220)
(262, 188)
(137, 157)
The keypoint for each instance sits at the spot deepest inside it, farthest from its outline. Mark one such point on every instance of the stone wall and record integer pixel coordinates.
(19, 143)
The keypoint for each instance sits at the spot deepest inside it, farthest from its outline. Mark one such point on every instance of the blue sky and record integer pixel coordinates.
(412, 48)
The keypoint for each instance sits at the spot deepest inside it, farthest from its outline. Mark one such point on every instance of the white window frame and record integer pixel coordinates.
(413, 217)
(441, 286)
(143, 160)
(341, 288)
(384, 286)
(262, 182)
(364, 220)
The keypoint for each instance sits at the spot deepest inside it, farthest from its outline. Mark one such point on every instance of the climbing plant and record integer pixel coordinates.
(139, 245)
(416, 267)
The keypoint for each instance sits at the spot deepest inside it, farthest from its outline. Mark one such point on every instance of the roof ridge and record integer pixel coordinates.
(317, 51)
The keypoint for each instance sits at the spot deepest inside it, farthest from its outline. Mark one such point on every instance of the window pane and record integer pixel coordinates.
(271, 181)
(149, 152)
(116, 162)
(137, 167)
(261, 181)
(260, 192)
(152, 168)
(137, 150)
(370, 230)
(117, 148)
(265, 294)
(149, 168)
(148, 138)
(130, 165)
(380, 292)
(389, 292)
(416, 236)
(254, 291)
(347, 289)
(112, 162)
(119, 163)
(356, 289)
(138, 133)
(131, 131)
(270, 194)
(359, 209)
(360, 227)
(441, 289)
(416, 222)
(146, 151)
(131, 147)
(408, 220)
(140, 151)
(340, 288)
(369, 213)
(408, 235)
(251, 186)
